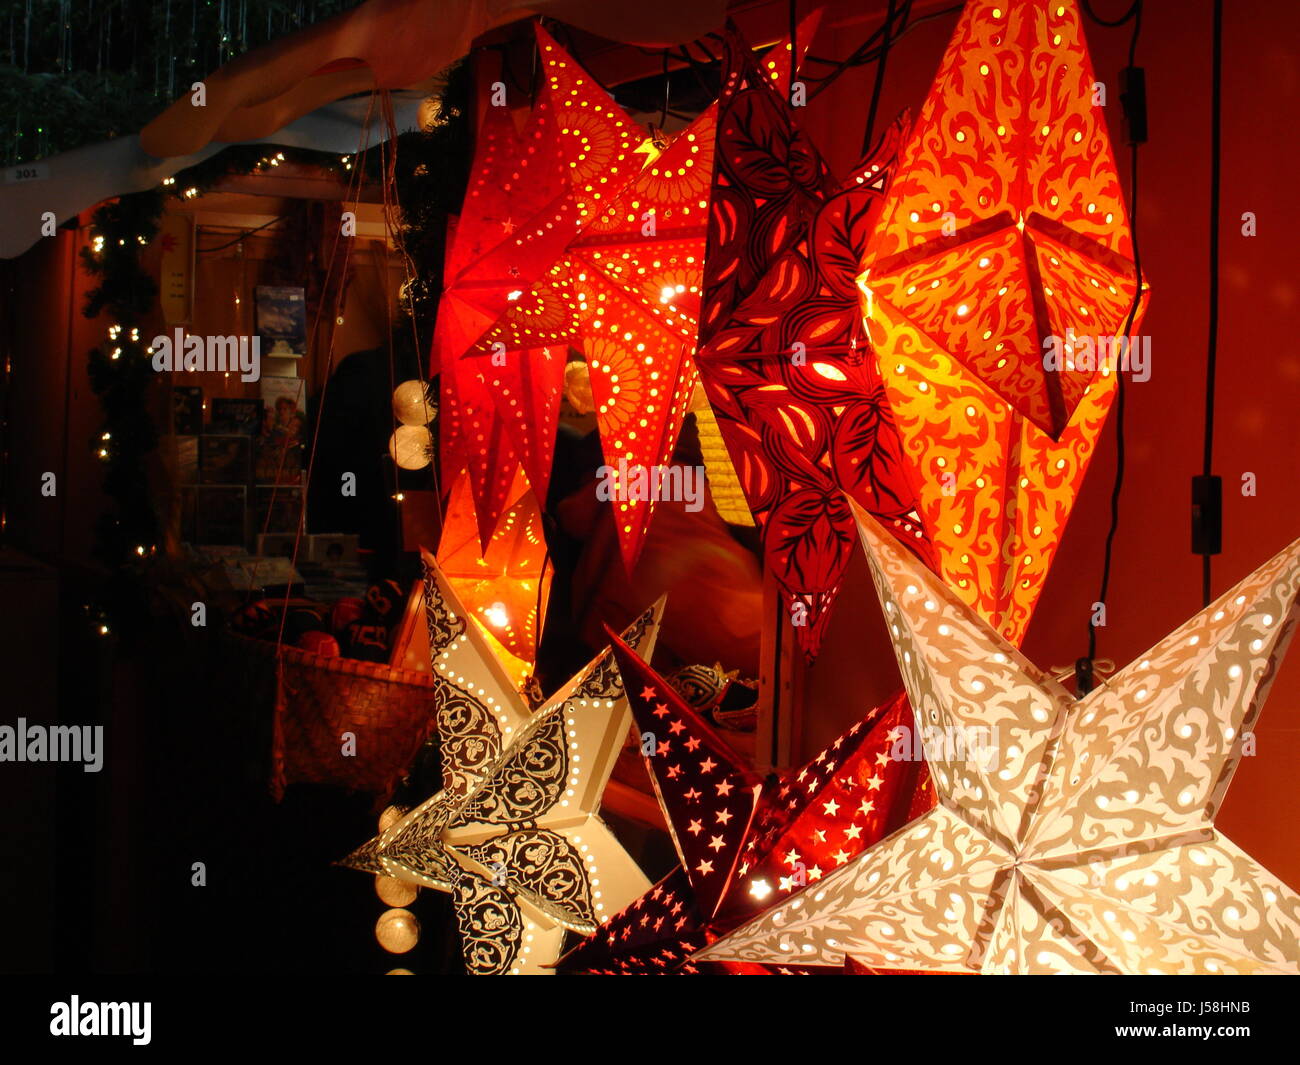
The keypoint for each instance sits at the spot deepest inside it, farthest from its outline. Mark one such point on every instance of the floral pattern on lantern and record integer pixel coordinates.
(784, 358)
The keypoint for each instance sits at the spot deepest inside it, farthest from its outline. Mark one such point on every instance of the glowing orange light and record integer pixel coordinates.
(965, 301)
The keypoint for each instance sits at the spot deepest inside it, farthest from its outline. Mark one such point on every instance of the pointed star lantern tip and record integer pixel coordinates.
(1071, 835)
(708, 794)
(514, 835)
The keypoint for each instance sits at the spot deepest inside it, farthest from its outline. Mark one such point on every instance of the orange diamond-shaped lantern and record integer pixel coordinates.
(1011, 156)
(1006, 225)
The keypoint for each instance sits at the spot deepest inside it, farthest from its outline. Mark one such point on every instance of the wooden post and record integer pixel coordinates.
(781, 684)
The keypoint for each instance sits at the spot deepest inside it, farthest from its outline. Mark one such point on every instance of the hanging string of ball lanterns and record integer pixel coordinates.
(411, 445)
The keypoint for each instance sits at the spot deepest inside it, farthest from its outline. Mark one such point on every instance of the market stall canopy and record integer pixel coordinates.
(73, 181)
(388, 44)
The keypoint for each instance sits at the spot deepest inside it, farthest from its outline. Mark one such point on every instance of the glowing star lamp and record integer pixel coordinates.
(1006, 223)
(517, 216)
(1003, 245)
(626, 292)
(514, 835)
(1088, 844)
(745, 843)
(517, 352)
(636, 273)
(504, 588)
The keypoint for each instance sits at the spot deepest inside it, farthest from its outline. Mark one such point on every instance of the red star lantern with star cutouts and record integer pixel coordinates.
(786, 365)
(818, 818)
(1005, 228)
(745, 842)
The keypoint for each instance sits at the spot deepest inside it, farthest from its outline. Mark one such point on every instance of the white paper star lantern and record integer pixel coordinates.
(514, 835)
(1087, 844)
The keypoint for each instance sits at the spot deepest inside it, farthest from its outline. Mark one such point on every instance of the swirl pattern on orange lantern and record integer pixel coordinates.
(1005, 226)
(1004, 233)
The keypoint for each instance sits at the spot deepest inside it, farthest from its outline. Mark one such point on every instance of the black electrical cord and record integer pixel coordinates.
(1084, 667)
(873, 49)
(794, 48)
(1120, 395)
(1113, 23)
(242, 236)
(880, 77)
(697, 69)
(866, 54)
(668, 82)
(1216, 174)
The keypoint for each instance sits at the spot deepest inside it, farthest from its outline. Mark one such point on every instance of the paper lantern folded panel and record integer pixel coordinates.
(504, 588)
(768, 175)
(1003, 244)
(475, 438)
(637, 272)
(994, 492)
(517, 216)
(627, 294)
(529, 196)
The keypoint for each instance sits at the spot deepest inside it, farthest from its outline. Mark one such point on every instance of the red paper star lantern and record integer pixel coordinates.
(627, 294)
(474, 438)
(636, 273)
(529, 196)
(785, 361)
(746, 842)
(518, 214)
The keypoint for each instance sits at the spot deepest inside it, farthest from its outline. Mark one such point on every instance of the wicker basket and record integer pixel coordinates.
(318, 700)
